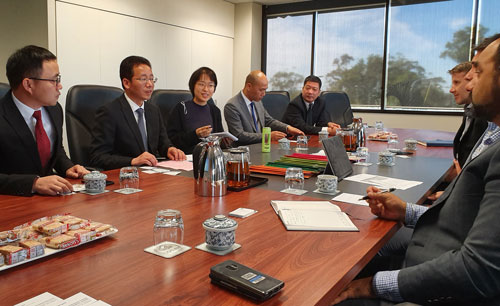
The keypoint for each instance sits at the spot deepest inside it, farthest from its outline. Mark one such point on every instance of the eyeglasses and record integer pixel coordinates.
(203, 85)
(145, 79)
(57, 80)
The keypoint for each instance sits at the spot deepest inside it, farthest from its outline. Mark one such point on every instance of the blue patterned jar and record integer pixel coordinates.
(220, 232)
(95, 182)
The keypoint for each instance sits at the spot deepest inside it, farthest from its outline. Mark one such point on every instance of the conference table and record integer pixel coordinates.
(314, 266)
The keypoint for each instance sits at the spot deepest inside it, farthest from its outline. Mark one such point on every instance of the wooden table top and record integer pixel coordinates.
(315, 266)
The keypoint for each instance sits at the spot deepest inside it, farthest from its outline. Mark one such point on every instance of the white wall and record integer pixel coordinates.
(247, 42)
(22, 24)
(427, 122)
(177, 37)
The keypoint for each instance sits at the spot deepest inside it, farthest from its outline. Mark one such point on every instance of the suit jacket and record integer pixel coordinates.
(19, 160)
(462, 148)
(296, 115)
(240, 122)
(116, 138)
(177, 130)
(454, 254)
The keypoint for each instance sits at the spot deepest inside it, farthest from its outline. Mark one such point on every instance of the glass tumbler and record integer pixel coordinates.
(392, 142)
(168, 231)
(363, 155)
(129, 178)
(294, 178)
(301, 142)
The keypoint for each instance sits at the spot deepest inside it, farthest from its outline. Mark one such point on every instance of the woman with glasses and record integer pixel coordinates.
(189, 121)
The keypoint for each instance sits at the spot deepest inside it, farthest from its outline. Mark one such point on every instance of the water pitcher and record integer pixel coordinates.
(209, 168)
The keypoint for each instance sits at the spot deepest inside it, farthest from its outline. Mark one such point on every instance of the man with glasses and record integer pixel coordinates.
(128, 131)
(31, 127)
(307, 111)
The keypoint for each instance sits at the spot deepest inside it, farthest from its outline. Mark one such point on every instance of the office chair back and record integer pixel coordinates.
(82, 102)
(166, 99)
(4, 88)
(276, 102)
(338, 106)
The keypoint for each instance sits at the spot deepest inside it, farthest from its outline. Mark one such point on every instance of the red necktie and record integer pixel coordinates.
(42, 141)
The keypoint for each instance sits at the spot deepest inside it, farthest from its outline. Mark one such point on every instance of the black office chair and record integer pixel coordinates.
(82, 101)
(4, 88)
(166, 99)
(338, 106)
(276, 102)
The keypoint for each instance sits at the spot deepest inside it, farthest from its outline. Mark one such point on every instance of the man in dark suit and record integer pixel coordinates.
(246, 116)
(31, 127)
(128, 131)
(307, 111)
(454, 254)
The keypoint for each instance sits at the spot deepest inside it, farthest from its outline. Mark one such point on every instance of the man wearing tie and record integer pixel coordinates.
(128, 131)
(307, 111)
(246, 116)
(31, 127)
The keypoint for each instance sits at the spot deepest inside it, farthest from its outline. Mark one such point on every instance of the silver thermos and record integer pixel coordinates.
(209, 168)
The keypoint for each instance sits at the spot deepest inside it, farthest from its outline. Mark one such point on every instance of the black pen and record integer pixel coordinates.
(385, 191)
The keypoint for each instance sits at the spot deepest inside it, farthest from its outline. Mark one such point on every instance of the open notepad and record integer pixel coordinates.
(312, 216)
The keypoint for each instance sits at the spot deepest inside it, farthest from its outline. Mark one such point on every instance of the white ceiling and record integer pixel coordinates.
(265, 2)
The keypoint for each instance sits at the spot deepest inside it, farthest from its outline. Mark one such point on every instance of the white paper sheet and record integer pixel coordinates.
(383, 181)
(350, 198)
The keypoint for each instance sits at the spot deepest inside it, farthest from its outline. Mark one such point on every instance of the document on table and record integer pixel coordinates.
(350, 198)
(177, 164)
(48, 299)
(312, 216)
(383, 181)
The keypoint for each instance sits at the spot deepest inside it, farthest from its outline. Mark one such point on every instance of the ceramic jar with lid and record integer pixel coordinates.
(220, 232)
(95, 182)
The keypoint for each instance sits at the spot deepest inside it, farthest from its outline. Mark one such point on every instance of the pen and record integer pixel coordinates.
(385, 191)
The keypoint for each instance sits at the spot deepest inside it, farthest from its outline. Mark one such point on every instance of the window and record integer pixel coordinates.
(425, 41)
(391, 58)
(289, 41)
(352, 63)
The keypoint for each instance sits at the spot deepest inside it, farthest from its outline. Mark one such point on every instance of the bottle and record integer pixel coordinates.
(266, 139)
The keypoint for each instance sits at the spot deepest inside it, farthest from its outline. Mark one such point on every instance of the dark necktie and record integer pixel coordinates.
(42, 140)
(309, 116)
(254, 117)
(142, 127)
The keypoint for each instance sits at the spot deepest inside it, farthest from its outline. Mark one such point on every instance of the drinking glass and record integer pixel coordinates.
(284, 144)
(294, 178)
(168, 231)
(379, 126)
(363, 156)
(392, 142)
(129, 178)
(301, 142)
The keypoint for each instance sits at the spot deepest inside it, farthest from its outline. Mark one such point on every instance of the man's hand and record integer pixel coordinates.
(357, 289)
(175, 154)
(332, 131)
(52, 185)
(435, 195)
(203, 131)
(277, 135)
(145, 158)
(386, 205)
(293, 131)
(334, 125)
(76, 171)
(457, 166)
